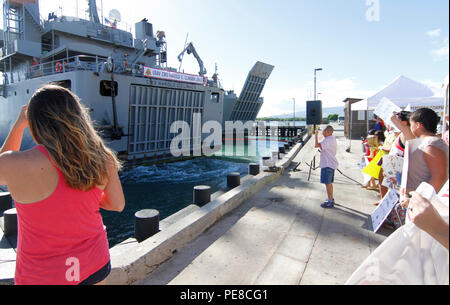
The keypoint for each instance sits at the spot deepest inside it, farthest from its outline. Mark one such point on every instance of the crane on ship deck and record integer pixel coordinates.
(191, 50)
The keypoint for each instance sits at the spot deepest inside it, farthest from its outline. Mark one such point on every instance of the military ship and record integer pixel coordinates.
(132, 95)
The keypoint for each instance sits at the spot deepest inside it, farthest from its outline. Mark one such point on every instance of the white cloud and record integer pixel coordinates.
(435, 86)
(434, 33)
(332, 93)
(442, 52)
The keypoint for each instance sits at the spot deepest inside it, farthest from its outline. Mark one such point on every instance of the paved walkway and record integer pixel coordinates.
(7, 256)
(283, 236)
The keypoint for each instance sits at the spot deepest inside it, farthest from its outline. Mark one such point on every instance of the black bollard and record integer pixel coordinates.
(233, 180)
(281, 150)
(202, 195)
(253, 169)
(146, 224)
(5, 202)
(10, 222)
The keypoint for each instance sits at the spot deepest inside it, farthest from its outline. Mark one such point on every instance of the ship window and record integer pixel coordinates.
(214, 97)
(64, 83)
(105, 88)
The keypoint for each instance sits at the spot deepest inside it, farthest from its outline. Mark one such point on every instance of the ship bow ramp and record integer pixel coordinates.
(247, 106)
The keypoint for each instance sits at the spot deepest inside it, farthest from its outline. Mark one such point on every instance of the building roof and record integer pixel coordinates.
(352, 100)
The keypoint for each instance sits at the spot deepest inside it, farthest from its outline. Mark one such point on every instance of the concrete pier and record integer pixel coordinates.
(282, 236)
(8, 246)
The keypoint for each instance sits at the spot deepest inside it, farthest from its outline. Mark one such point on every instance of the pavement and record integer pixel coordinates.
(281, 236)
(8, 247)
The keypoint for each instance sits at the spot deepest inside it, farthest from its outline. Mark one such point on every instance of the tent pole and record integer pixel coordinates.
(350, 128)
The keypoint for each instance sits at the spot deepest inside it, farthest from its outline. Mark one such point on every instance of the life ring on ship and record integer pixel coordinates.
(58, 66)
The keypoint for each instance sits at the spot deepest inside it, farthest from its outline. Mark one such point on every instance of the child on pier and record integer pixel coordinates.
(328, 162)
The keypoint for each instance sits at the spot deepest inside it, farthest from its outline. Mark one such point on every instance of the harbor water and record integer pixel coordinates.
(168, 187)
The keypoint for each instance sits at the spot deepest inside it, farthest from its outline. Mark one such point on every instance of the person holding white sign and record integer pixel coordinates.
(427, 218)
(417, 253)
(431, 158)
(397, 218)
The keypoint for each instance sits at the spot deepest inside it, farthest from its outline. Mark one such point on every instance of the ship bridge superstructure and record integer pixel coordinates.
(32, 46)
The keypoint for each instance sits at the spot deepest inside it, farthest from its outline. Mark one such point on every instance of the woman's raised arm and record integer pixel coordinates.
(14, 139)
(113, 198)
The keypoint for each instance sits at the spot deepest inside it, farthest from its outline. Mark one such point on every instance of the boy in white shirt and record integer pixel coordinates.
(328, 162)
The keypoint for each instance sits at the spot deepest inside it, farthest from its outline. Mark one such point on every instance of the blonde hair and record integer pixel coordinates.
(329, 128)
(59, 121)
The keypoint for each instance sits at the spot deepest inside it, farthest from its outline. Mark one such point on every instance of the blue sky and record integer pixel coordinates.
(358, 56)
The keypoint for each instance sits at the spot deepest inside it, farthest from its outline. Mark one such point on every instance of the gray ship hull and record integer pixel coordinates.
(133, 97)
(146, 108)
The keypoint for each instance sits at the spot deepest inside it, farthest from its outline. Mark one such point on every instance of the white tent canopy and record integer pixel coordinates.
(403, 91)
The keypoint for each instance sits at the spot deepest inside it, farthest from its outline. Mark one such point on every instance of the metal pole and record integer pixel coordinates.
(102, 12)
(349, 148)
(315, 88)
(294, 113)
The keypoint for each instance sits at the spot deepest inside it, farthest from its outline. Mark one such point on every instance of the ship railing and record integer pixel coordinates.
(84, 63)
(68, 64)
(80, 63)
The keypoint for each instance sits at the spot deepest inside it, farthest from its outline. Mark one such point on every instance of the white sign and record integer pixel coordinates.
(385, 109)
(410, 147)
(384, 209)
(175, 76)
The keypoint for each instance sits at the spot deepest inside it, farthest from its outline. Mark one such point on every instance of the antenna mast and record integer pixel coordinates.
(182, 56)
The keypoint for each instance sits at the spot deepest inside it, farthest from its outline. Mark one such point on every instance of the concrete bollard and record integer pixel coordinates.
(281, 150)
(267, 161)
(253, 169)
(233, 180)
(202, 195)
(5, 202)
(146, 224)
(10, 222)
(275, 156)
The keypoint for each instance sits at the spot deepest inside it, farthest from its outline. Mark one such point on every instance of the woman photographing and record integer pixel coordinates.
(58, 188)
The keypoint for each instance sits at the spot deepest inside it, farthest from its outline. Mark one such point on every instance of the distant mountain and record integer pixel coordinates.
(302, 114)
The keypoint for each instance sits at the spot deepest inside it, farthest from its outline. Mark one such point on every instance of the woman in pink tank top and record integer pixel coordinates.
(59, 187)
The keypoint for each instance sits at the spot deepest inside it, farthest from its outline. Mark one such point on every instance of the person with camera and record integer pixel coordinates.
(58, 188)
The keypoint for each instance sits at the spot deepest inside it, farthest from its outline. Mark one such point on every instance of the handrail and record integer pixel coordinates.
(68, 64)
(83, 62)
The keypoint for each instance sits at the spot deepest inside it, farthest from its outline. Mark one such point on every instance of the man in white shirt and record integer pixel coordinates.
(328, 162)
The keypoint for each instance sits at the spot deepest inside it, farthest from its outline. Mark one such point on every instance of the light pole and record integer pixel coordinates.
(315, 81)
(315, 86)
(294, 111)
